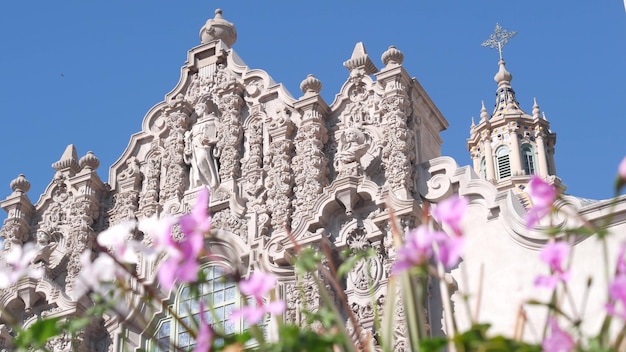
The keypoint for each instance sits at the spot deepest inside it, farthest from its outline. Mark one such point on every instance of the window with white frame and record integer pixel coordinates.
(218, 293)
(528, 159)
(502, 162)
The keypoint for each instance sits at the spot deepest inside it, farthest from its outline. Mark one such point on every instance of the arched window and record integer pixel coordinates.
(528, 159)
(483, 168)
(502, 162)
(218, 292)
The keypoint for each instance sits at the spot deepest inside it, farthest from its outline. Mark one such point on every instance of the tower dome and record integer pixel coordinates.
(218, 28)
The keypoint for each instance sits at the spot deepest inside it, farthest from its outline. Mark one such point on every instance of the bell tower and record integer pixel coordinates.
(509, 146)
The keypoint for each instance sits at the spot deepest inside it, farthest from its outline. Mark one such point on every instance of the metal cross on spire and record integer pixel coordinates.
(499, 39)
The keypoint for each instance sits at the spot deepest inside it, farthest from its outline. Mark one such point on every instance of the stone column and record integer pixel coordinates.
(514, 153)
(310, 164)
(475, 160)
(541, 153)
(279, 172)
(19, 213)
(230, 134)
(491, 172)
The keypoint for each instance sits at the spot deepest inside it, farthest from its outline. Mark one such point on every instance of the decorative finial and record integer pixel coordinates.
(20, 184)
(311, 85)
(68, 161)
(499, 38)
(392, 56)
(483, 112)
(89, 161)
(360, 60)
(536, 110)
(218, 28)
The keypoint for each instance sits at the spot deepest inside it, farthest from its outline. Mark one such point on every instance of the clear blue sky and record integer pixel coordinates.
(86, 72)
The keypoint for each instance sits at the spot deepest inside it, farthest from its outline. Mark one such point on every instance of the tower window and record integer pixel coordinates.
(528, 158)
(483, 168)
(503, 163)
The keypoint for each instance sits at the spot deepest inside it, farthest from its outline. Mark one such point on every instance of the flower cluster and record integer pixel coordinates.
(15, 264)
(617, 287)
(543, 196)
(421, 242)
(554, 254)
(558, 340)
(257, 286)
(177, 246)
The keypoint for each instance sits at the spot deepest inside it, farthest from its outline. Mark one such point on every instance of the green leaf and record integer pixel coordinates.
(352, 259)
(307, 260)
(434, 344)
(38, 334)
(296, 339)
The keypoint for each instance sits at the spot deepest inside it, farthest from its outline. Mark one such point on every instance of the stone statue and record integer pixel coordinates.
(45, 248)
(353, 148)
(200, 153)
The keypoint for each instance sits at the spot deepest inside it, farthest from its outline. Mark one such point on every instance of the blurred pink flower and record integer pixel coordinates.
(205, 333)
(621, 259)
(15, 264)
(450, 250)
(543, 196)
(450, 212)
(119, 239)
(417, 249)
(257, 286)
(97, 275)
(621, 170)
(158, 233)
(554, 254)
(198, 222)
(558, 340)
(183, 269)
(617, 287)
(182, 261)
(617, 292)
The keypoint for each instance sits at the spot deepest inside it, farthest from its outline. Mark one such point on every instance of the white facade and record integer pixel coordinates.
(328, 173)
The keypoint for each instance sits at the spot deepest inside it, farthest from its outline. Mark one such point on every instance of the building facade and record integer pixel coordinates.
(279, 166)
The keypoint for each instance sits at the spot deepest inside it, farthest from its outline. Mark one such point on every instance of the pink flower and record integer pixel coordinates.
(96, 275)
(205, 333)
(554, 254)
(543, 196)
(182, 262)
(617, 288)
(617, 292)
(257, 286)
(450, 250)
(621, 259)
(451, 212)
(621, 170)
(15, 264)
(559, 340)
(119, 239)
(198, 222)
(417, 249)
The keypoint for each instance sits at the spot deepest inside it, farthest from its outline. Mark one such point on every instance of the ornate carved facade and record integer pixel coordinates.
(275, 165)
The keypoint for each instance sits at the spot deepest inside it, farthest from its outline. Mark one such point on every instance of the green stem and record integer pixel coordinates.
(414, 313)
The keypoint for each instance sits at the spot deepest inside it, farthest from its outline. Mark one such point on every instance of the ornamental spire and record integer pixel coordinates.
(499, 38)
(505, 95)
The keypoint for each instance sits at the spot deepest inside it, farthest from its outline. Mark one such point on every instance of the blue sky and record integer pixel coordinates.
(86, 72)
